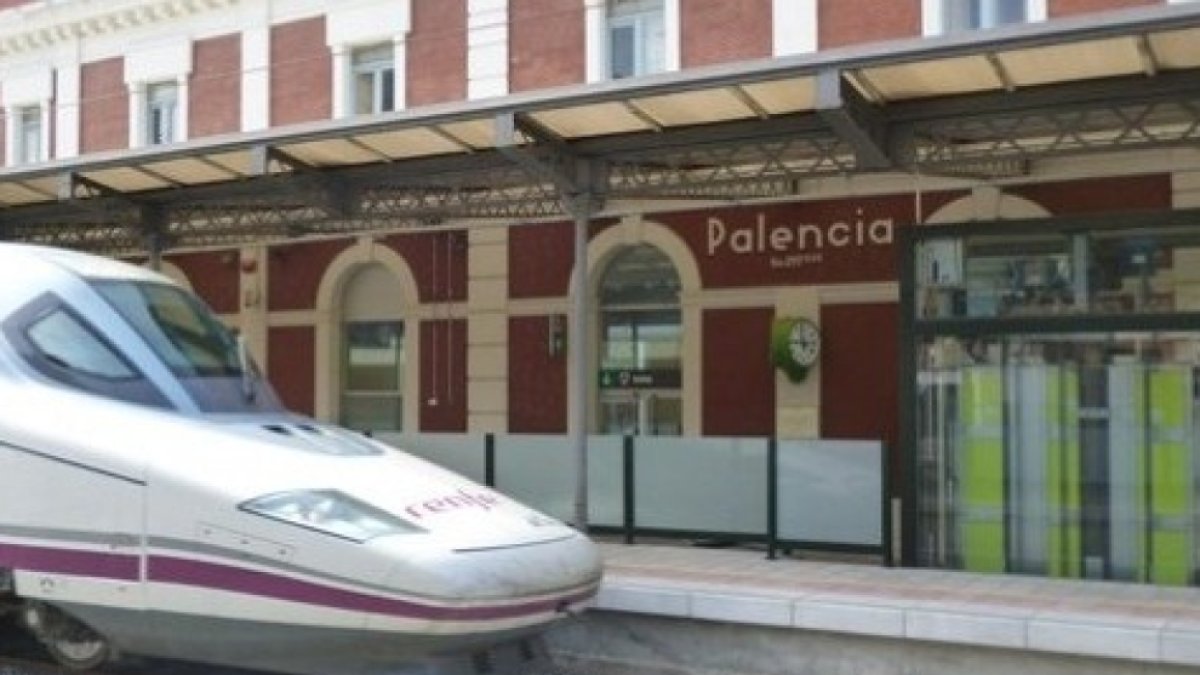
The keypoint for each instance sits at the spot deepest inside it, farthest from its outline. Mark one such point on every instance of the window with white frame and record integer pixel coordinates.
(29, 135)
(640, 333)
(162, 113)
(372, 353)
(967, 15)
(636, 38)
(373, 375)
(373, 79)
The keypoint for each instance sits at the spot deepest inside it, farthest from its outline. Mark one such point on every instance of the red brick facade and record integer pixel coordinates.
(537, 380)
(103, 106)
(214, 276)
(800, 244)
(216, 86)
(847, 22)
(553, 245)
(291, 366)
(444, 376)
(436, 69)
(301, 73)
(547, 48)
(718, 31)
(1100, 195)
(546, 43)
(860, 379)
(438, 261)
(739, 381)
(1057, 8)
(295, 273)
(859, 339)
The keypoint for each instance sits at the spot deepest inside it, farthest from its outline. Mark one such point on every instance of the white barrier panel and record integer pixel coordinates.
(702, 485)
(539, 471)
(830, 492)
(461, 453)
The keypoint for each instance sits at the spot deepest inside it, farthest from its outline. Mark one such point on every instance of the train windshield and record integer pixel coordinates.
(206, 357)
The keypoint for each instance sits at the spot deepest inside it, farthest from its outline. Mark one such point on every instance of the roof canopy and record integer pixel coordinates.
(971, 104)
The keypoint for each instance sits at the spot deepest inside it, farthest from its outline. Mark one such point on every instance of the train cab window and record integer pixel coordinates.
(62, 346)
(178, 328)
(198, 349)
(62, 339)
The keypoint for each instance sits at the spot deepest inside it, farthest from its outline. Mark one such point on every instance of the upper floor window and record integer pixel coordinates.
(957, 16)
(162, 113)
(636, 38)
(982, 14)
(29, 134)
(373, 80)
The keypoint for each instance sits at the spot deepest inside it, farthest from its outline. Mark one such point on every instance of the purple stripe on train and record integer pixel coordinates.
(112, 566)
(182, 571)
(252, 582)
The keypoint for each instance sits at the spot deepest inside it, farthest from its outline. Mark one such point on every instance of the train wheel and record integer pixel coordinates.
(72, 643)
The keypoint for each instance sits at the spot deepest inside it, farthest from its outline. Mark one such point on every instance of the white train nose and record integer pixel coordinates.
(501, 572)
(507, 587)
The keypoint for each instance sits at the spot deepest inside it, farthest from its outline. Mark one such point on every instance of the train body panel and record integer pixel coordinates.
(153, 491)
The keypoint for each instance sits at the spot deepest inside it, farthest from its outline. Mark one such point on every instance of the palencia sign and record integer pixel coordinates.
(793, 244)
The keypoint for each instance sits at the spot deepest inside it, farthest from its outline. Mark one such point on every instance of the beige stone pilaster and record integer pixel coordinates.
(1185, 194)
(487, 330)
(252, 300)
(798, 406)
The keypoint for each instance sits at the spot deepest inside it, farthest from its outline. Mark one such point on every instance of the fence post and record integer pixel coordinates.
(772, 497)
(489, 459)
(629, 496)
(887, 535)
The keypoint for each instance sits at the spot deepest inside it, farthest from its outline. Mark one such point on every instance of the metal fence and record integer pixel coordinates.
(787, 494)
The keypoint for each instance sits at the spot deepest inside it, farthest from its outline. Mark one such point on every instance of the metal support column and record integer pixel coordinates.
(580, 209)
(580, 184)
(153, 224)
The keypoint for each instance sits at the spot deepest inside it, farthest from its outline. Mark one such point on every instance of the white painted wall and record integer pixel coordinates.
(66, 109)
(793, 27)
(487, 48)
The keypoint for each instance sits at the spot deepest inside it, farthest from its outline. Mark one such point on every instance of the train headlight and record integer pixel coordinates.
(331, 512)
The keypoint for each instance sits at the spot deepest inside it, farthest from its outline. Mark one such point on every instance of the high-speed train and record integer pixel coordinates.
(156, 499)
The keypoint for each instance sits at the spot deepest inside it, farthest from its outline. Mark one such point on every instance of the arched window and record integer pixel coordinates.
(372, 352)
(640, 344)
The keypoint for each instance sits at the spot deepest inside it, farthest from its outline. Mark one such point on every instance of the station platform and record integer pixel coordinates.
(1132, 627)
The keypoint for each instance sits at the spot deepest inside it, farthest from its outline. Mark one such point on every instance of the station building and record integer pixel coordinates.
(1031, 366)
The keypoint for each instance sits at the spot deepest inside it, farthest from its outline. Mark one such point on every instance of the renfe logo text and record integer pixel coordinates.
(762, 237)
(455, 502)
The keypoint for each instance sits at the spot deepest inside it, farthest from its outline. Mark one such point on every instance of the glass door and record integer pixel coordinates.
(1068, 456)
(641, 413)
